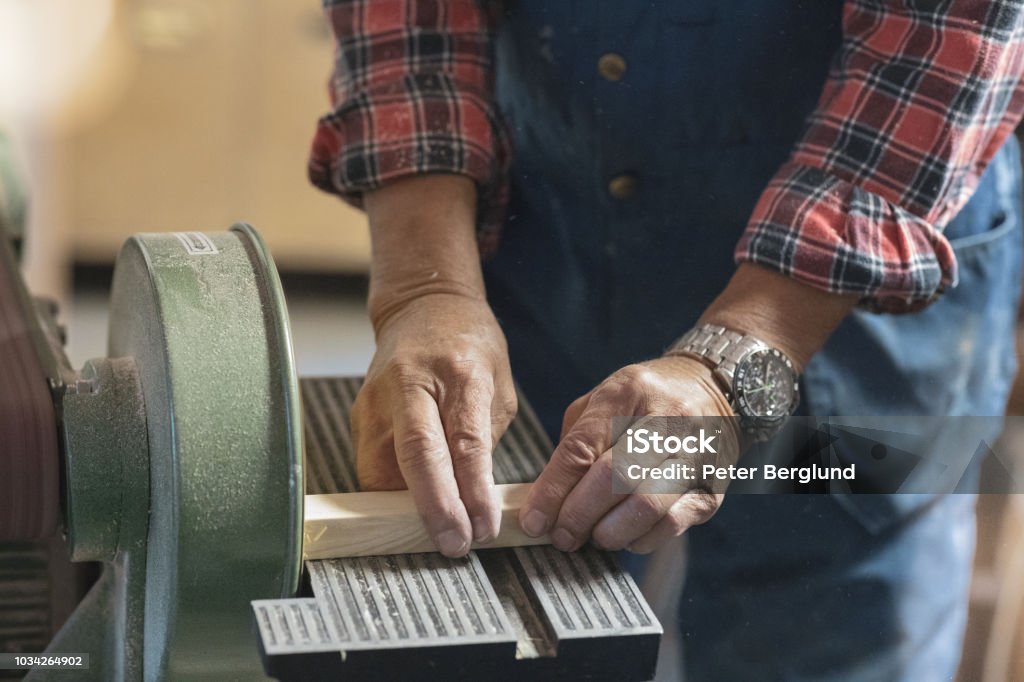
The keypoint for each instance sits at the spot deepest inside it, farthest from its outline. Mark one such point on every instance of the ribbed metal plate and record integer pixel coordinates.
(529, 613)
(422, 600)
(292, 626)
(585, 594)
(330, 466)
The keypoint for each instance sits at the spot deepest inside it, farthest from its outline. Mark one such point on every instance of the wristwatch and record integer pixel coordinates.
(759, 381)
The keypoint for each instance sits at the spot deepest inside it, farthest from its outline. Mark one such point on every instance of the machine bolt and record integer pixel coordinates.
(81, 387)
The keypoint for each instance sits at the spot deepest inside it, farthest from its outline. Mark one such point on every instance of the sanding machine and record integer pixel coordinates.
(180, 463)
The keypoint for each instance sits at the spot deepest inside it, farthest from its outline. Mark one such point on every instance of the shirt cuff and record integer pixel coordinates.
(424, 123)
(837, 237)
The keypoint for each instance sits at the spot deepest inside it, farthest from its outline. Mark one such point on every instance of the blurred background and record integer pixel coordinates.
(178, 115)
(128, 116)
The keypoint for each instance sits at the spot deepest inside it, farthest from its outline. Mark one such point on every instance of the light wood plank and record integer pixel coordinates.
(371, 523)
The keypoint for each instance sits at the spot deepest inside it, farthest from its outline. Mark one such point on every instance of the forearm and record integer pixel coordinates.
(793, 317)
(863, 213)
(438, 393)
(423, 242)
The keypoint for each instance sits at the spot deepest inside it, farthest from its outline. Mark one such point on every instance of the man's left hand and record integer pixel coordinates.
(573, 498)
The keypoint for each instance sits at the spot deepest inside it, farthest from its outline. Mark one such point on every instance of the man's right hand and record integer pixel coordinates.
(438, 394)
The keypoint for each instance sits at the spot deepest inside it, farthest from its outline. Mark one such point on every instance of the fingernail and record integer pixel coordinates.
(535, 523)
(482, 530)
(563, 539)
(451, 543)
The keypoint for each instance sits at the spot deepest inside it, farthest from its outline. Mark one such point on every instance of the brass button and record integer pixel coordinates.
(623, 186)
(611, 66)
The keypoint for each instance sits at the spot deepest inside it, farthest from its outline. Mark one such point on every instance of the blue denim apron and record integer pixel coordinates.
(628, 197)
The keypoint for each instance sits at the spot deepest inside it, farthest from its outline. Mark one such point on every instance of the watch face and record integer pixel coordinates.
(765, 385)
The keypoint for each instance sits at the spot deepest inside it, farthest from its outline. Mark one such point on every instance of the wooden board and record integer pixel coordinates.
(372, 523)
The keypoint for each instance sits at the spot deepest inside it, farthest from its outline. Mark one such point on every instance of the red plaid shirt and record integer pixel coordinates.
(917, 103)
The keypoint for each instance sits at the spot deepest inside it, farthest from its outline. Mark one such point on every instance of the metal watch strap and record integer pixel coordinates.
(721, 348)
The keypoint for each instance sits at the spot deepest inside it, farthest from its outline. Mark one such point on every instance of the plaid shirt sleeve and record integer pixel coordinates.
(412, 93)
(920, 97)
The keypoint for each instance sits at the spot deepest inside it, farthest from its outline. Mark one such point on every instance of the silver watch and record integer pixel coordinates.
(759, 381)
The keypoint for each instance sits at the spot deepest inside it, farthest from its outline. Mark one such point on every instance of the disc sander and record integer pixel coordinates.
(204, 318)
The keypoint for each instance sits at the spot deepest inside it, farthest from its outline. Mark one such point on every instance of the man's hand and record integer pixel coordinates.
(439, 392)
(437, 397)
(573, 496)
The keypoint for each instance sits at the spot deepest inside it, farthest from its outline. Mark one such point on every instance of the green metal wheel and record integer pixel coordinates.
(204, 317)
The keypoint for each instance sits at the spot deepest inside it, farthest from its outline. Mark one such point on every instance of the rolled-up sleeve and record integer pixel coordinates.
(919, 99)
(412, 93)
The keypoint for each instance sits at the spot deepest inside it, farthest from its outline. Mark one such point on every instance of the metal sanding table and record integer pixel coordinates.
(528, 613)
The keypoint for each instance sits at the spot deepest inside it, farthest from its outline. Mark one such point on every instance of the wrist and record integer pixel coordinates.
(423, 234)
(779, 311)
(388, 305)
(759, 381)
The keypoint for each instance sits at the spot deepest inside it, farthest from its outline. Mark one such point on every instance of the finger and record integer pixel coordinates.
(374, 444)
(692, 509)
(632, 519)
(466, 415)
(585, 442)
(376, 464)
(588, 502)
(427, 468)
(503, 411)
(504, 407)
(573, 412)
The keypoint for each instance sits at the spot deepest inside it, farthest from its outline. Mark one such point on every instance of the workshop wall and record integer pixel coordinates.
(190, 115)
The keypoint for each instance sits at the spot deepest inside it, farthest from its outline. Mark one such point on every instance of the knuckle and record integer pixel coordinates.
(549, 494)
(575, 453)
(575, 519)
(397, 371)
(418, 447)
(506, 407)
(631, 384)
(648, 507)
(701, 505)
(630, 373)
(613, 387)
(465, 386)
(466, 445)
(682, 406)
(638, 375)
(461, 369)
(402, 374)
(475, 493)
(608, 539)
